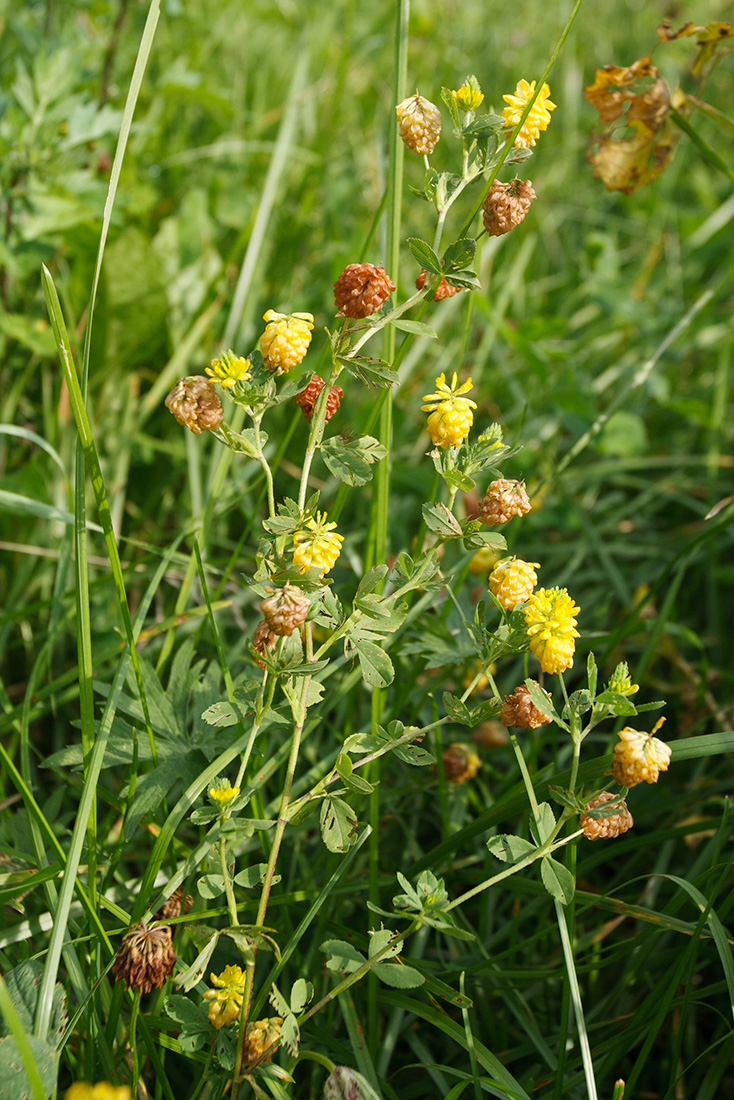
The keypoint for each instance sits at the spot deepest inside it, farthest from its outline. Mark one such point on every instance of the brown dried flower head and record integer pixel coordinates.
(521, 712)
(460, 763)
(195, 404)
(361, 290)
(146, 958)
(307, 398)
(490, 735)
(505, 205)
(263, 640)
(443, 290)
(504, 499)
(286, 610)
(173, 906)
(603, 828)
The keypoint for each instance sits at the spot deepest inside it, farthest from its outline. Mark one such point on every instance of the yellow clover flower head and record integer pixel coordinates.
(223, 796)
(621, 681)
(469, 96)
(640, 757)
(316, 545)
(512, 581)
(82, 1090)
(228, 370)
(451, 413)
(286, 339)
(539, 115)
(260, 1035)
(551, 617)
(225, 1001)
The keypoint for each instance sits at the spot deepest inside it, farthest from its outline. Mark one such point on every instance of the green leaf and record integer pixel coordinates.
(509, 848)
(246, 442)
(416, 327)
(363, 743)
(371, 372)
(193, 975)
(210, 886)
(226, 713)
(465, 279)
(398, 975)
(193, 1020)
(372, 580)
(545, 825)
(377, 668)
(253, 876)
(350, 460)
(592, 673)
(338, 824)
(483, 126)
(413, 755)
(301, 994)
(343, 958)
(460, 254)
(448, 97)
(14, 1082)
(425, 255)
(540, 698)
(557, 879)
(441, 521)
(379, 942)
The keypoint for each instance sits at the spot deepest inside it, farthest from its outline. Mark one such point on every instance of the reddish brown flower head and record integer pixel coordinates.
(173, 905)
(504, 499)
(490, 735)
(361, 290)
(286, 610)
(506, 205)
(195, 404)
(598, 828)
(443, 290)
(263, 640)
(520, 711)
(146, 958)
(460, 763)
(307, 398)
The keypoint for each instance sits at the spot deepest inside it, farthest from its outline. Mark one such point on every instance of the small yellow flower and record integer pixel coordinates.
(286, 339)
(640, 757)
(81, 1090)
(316, 545)
(621, 681)
(538, 118)
(229, 370)
(260, 1035)
(512, 581)
(550, 615)
(451, 413)
(223, 796)
(226, 999)
(469, 96)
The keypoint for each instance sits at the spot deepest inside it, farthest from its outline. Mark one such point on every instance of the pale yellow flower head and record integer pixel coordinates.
(538, 118)
(316, 545)
(640, 757)
(551, 617)
(225, 1001)
(286, 339)
(228, 370)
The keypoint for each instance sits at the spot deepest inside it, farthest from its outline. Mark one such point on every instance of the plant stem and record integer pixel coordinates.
(576, 999)
(133, 1040)
(231, 903)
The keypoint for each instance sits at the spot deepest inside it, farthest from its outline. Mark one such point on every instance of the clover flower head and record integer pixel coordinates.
(512, 581)
(103, 1090)
(451, 412)
(223, 796)
(228, 370)
(640, 757)
(317, 545)
(260, 1035)
(286, 339)
(550, 614)
(469, 96)
(146, 958)
(621, 681)
(538, 118)
(419, 124)
(225, 1001)
(460, 763)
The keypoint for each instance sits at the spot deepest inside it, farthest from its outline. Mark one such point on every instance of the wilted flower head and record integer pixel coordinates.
(225, 1001)
(621, 681)
(551, 617)
(469, 96)
(82, 1090)
(361, 290)
(420, 124)
(195, 404)
(460, 763)
(285, 610)
(640, 757)
(539, 115)
(451, 413)
(316, 545)
(504, 499)
(229, 369)
(505, 205)
(614, 823)
(286, 339)
(443, 290)
(308, 397)
(146, 958)
(260, 1035)
(521, 712)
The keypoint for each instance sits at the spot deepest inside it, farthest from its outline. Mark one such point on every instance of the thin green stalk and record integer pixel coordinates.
(231, 903)
(576, 1000)
(133, 1040)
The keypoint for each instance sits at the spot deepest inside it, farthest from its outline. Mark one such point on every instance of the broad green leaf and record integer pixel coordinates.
(379, 941)
(253, 876)
(14, 1081)
(350, 460)
(398, 976)
(377, 668)
(301, 994)
(456, 709)
(193, 1020)
(441, 521)
(509, 848)
(190, 977)
(545, 825)
(342, 957)
(418, 328)
(425, 255)
(210, 886)
(338, 824)
(459, 254)
(557, 879)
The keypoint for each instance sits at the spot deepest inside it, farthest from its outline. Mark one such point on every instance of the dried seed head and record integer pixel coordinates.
(503, 500)
(286, 610)
(443, 290)
(512, 581)
(597, 828)
(263, 640)
(260, 1035)
(521, 712)
(195, 404)
(146, 958)
(490, 735)
(420, 124)
(460, 763)
(307, 398)
(640, 757)
(173, 905)
(361, 290)
(505, 205)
